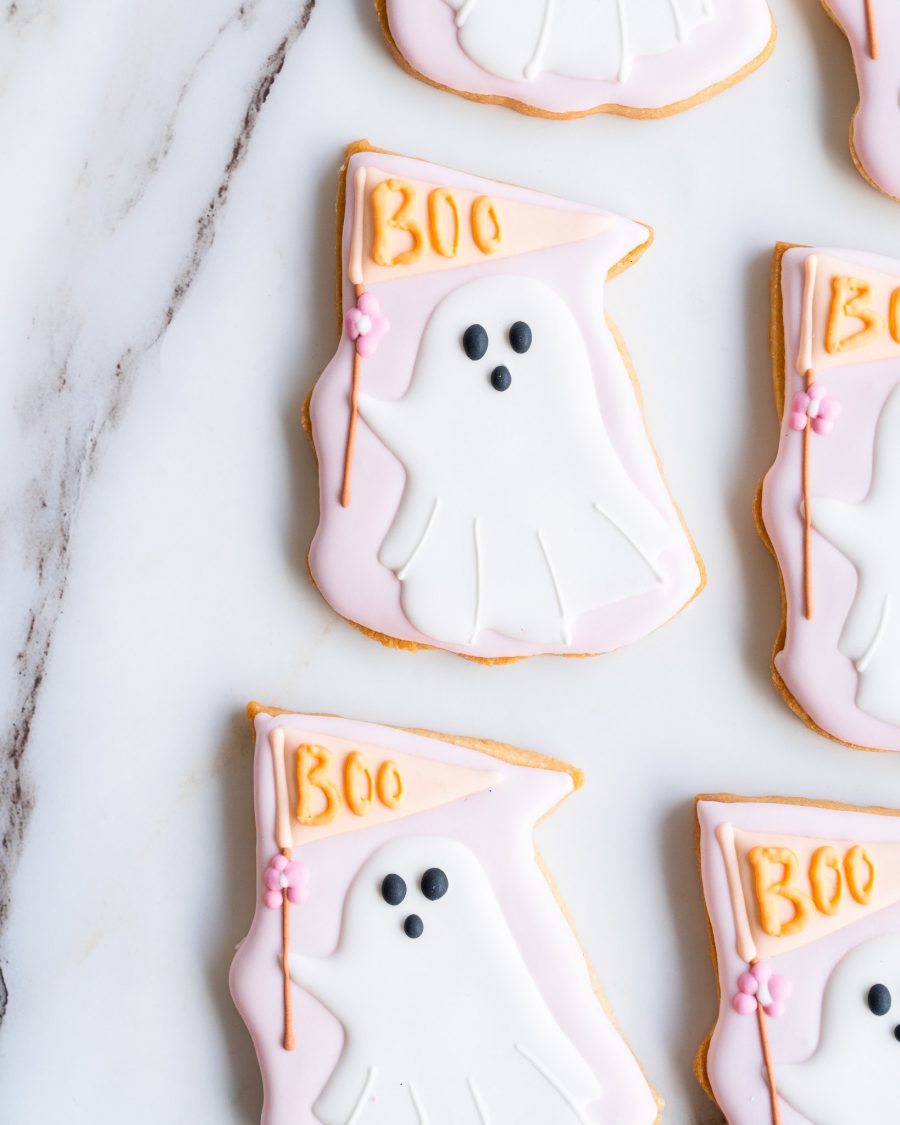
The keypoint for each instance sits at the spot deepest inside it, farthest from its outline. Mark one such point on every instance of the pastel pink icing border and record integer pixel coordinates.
(343, 558)
(498, 826)
(425, 34)
(734, 1061)
(821, 679)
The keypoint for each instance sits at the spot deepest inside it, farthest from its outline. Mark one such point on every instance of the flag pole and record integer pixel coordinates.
(285, 840)
(767, 1060)
(746, 947)
(354, 415)
(355, 274)
(871, 29)
(807, 514)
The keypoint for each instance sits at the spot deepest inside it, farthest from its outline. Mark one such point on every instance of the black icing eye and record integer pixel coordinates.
(897, 1034)
(413, 927)
(879, 1000)
(435, 884)
(393, 890)
(501, 379)
(475, 341)
(520, 337)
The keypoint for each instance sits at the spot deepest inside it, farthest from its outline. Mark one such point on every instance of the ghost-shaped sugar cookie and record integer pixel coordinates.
(408, 961)
(829, 504)
(486, 481)
(803, 902)
(566, 58)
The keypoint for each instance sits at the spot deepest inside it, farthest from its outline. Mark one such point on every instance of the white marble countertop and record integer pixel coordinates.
(167, 284)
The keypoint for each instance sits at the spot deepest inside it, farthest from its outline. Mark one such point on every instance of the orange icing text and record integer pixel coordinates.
(777, 880)
(322, 788)
(394, 207)
(851, 301)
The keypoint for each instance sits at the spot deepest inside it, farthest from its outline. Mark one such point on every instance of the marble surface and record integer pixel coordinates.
(166, 278)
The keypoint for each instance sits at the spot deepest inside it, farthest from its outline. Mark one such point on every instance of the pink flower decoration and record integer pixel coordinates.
(760, 987)
(366, 325)
(285, 874)
(815, 408)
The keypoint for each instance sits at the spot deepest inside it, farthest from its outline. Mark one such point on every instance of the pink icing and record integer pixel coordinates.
(497, 825)
(734, 1062)
(343, 558)
(281, 875)
(365, 324)
(822, 680)
(738, 34)
(875, 123)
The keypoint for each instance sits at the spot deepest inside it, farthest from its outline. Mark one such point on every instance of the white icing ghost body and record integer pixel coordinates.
(517, 515)
(447, 1027)
(854, 1075)
(868, 534)
(593, 39)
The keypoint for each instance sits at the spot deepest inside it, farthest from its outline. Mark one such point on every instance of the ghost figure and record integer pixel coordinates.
(854, 1076)
(443, 1022)
(593, 39)
(868, 534)
(517, 515)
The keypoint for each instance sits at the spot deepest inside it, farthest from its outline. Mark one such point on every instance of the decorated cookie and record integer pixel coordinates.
(408, 961)
(567, 58)
(487, 484)
(868, 25)
(829, 505)
(803, 902)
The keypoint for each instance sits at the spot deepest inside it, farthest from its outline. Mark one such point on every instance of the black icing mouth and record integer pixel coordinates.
(414, 927)
(501, 378)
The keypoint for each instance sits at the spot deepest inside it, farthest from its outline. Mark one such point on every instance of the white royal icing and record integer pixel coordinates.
(517, 515)
(868, 533)
(448, 1028)
(854, 1075)
(595, 39)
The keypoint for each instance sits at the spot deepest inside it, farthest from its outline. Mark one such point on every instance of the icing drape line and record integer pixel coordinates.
(363, 1097)
(624, 61)
(866, 659)
(404, 570)
(533, 66)
(548, 1077)
(680, 29)
(417, 1105)
(479, 1104)
(464, 12)
(478, 578)
(560, 601)
(631, 541)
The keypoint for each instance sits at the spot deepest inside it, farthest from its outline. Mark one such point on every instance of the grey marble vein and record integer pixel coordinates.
(89, 346)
